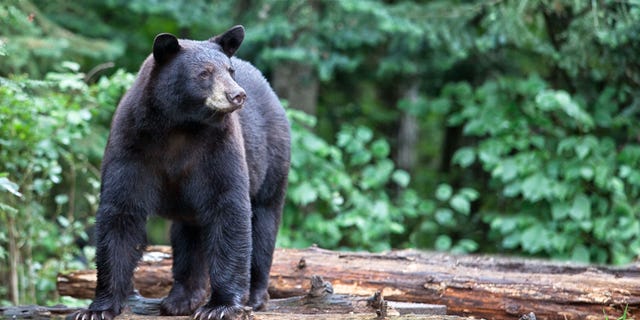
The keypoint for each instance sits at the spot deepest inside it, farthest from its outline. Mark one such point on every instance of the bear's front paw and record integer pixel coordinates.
(222, 313)
(86, 314)
(177, 304)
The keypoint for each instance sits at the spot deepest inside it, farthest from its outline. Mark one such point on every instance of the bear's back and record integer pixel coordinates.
(265, 126)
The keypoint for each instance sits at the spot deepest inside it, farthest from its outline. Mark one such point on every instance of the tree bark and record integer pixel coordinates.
(298, 84)
(408, 133)
(14, 257)
(480, 286)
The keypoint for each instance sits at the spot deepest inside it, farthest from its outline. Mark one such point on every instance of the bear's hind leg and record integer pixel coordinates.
(228, 255)
(265, 222)
(189, 271)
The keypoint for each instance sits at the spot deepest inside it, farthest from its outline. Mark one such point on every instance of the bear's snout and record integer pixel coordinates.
(236, 97)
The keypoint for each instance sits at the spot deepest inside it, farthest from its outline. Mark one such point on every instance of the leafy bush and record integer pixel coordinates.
(565, 188)
(47, 143)
(339, 195)
(349, 195)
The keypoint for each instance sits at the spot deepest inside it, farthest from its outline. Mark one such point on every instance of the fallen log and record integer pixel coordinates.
(320, 299)
(319, 303)
(478, 286)
(152, 277)
(56, 313)
(284, 316)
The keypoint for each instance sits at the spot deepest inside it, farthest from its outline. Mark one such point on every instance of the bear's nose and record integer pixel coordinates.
(236, 97)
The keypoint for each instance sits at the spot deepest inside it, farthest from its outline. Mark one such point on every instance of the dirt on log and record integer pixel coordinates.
(479, 286)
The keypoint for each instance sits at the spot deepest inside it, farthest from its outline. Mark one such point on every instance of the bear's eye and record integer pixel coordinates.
(232, 71)
(205, 73)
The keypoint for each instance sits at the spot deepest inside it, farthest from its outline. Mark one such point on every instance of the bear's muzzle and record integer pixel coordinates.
(237, 97)
(227, 101)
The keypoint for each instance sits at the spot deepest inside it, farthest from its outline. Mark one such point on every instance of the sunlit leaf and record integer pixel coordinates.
(444, 192)
(11, 187)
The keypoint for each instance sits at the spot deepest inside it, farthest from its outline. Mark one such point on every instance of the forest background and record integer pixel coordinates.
(507, 127)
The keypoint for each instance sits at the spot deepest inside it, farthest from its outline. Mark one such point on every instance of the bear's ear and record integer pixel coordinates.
(230, 40)
(164, 46)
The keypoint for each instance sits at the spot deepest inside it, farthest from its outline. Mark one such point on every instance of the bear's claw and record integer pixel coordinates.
(220, 313)
(86, 314)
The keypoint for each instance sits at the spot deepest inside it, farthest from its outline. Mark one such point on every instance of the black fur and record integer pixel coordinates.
(219, 174)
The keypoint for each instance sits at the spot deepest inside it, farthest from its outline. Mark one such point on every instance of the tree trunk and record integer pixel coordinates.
(14, 257)
(478, 286)
(408, 133)
(298, 84)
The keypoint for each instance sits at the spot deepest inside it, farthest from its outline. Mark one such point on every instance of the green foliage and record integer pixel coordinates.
(624, 315)
(32, 43)
(36, 135)
(557, 146)
(338, 194)
(443, 218)
(563, 188)
(352, 196)
(49, 186)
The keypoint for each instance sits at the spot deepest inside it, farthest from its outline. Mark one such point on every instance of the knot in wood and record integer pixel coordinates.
(302, 264)
(319, 287)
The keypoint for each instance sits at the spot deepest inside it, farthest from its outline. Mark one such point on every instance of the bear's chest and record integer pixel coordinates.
(188, 163)
(180, 156)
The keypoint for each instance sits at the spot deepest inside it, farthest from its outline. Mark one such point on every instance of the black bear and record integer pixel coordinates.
(201, 139)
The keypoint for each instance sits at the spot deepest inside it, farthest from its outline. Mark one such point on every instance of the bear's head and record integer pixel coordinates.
(194, 80)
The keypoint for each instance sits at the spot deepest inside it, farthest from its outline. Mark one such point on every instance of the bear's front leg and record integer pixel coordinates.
(120, 235)
(121, 240)
(264, 225)
(228, 252)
